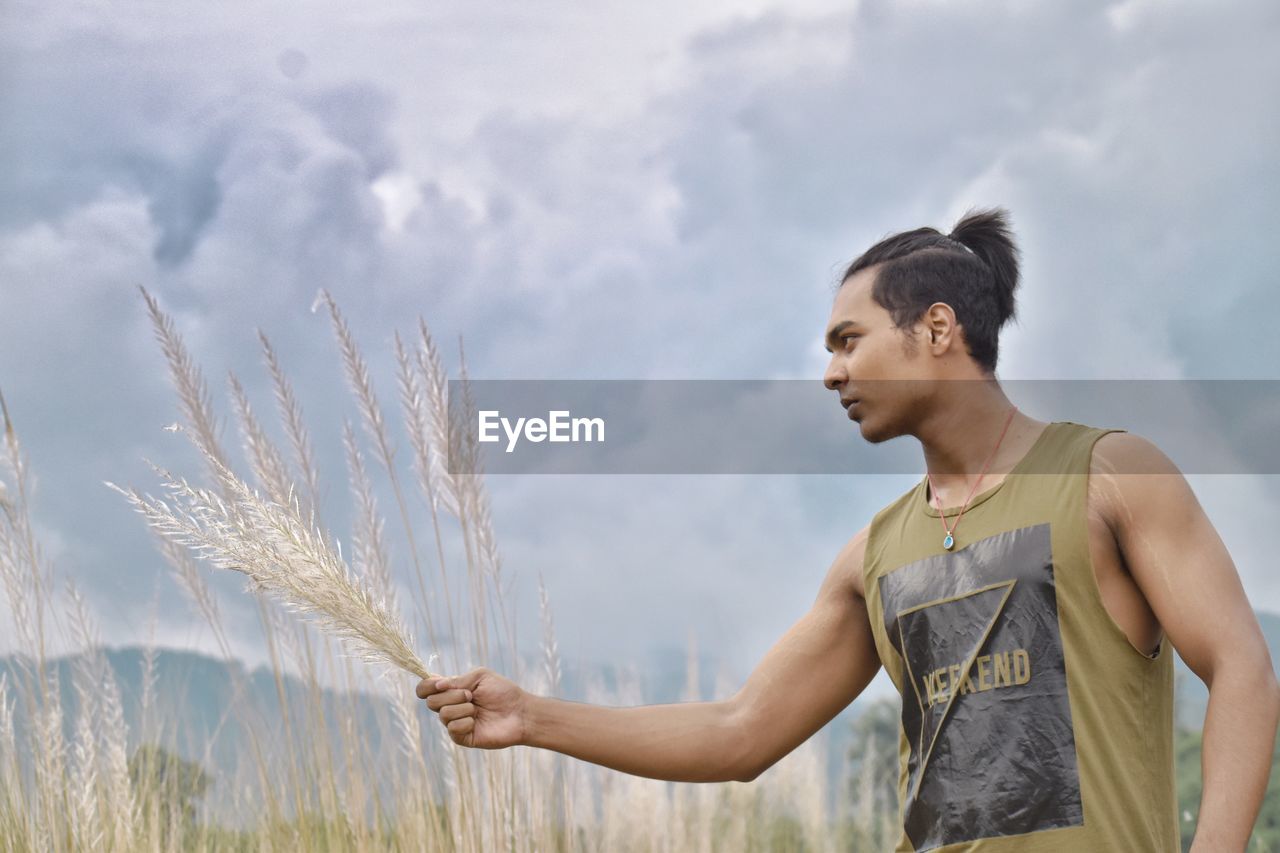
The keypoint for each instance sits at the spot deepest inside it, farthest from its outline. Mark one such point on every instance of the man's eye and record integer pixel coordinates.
(847, 338)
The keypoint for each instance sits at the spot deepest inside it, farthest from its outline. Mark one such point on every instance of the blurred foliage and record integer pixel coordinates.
(873, 777)
(169, 786)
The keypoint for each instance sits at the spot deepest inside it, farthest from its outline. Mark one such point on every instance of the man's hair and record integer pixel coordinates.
(974, 270)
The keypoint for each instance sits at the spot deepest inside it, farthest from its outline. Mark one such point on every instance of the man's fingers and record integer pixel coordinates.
(436, 701)
(468, 680)
(452, 713)
(434, 684)
(461, 727)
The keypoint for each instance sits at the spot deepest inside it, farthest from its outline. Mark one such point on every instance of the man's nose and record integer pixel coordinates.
(834, 377)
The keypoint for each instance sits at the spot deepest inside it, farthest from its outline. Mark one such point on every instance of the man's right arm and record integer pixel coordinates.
(814, 671)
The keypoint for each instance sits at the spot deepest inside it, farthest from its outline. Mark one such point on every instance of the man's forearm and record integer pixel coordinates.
(683, 742)
(1239, 738)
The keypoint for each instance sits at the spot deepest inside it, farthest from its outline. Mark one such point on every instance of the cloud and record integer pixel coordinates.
(604, 194)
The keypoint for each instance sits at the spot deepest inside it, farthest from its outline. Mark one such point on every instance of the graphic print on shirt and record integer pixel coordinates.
(986, 714)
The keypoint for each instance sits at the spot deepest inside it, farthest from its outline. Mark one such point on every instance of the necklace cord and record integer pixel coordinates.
(941, 514)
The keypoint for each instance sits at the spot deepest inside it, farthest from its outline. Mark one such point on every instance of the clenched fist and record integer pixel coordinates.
(480, 709)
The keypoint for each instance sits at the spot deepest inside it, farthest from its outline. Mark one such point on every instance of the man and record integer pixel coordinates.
(1027, 624)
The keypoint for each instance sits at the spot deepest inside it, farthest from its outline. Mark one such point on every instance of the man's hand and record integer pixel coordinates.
(481, 709)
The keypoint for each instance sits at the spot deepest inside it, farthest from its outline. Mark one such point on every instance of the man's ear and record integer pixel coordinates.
(931, 334)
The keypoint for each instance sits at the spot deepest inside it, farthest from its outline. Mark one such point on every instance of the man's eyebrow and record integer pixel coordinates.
(835, 331)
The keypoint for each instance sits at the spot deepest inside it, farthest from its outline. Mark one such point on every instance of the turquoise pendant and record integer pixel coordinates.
(948, 542)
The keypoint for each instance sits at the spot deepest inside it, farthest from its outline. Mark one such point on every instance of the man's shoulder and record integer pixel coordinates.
(901, 503)
(1125, 452)
(898, 507)
(1118, 454)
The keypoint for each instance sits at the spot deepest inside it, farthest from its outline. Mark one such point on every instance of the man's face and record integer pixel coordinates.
(867, 349)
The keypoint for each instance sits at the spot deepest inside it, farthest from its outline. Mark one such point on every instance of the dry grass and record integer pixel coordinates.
(281, 556)
(309, 777)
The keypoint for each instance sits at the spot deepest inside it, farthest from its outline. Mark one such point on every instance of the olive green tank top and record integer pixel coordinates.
(1029, 721)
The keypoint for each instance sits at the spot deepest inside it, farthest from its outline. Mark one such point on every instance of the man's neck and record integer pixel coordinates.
(961, 436)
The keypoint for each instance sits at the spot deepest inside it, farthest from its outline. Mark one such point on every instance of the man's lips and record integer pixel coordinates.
(850, 406)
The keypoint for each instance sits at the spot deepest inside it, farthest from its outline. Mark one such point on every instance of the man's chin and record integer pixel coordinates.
(871, 433)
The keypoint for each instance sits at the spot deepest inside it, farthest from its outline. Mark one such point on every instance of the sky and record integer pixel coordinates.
(613, 191)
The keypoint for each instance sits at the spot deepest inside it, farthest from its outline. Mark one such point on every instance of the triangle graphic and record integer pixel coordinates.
(946, 635)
